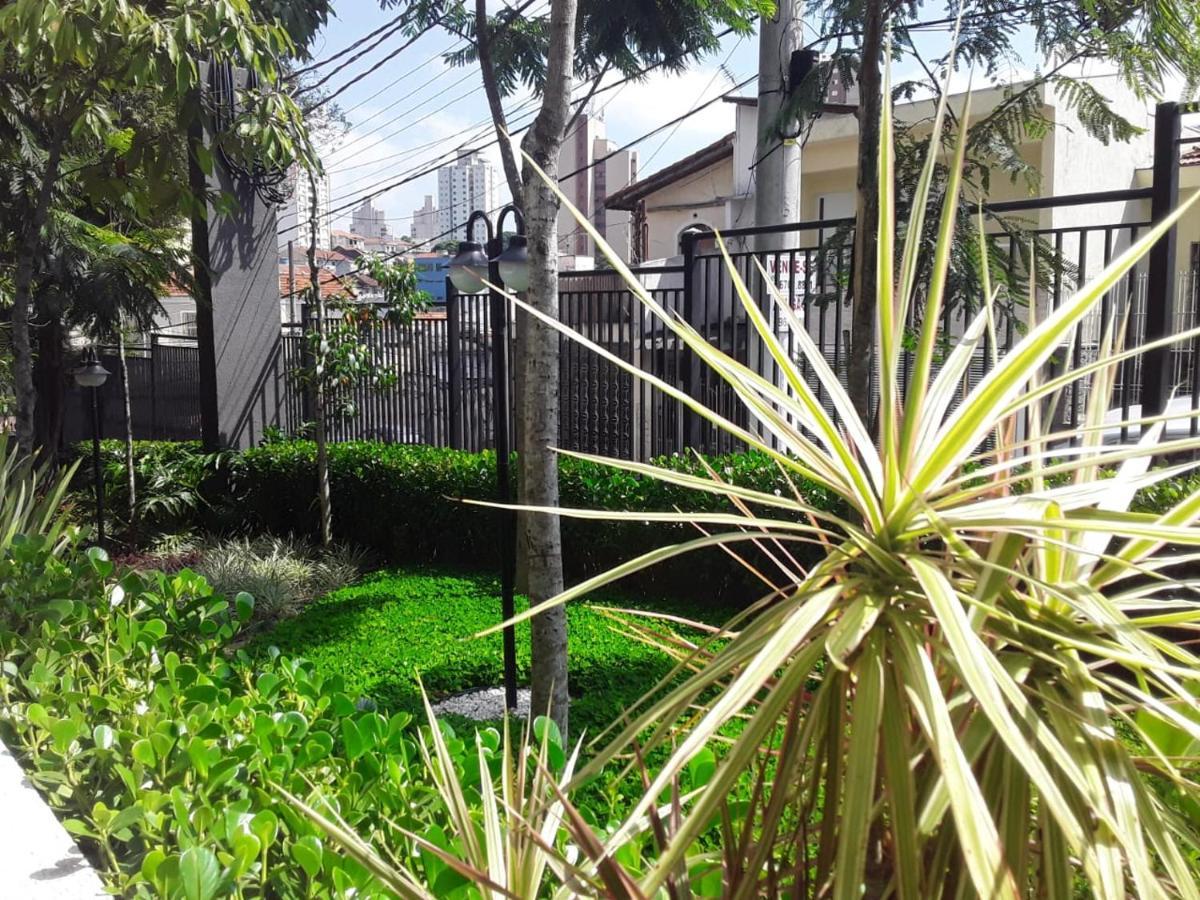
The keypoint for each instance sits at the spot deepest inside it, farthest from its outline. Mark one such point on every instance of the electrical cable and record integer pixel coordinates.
(357, 78)
(324, 62)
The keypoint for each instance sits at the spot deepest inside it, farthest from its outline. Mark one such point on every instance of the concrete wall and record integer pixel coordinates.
(240, 336)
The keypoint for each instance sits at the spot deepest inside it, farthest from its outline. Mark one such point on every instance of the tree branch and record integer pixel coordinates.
(483, 44)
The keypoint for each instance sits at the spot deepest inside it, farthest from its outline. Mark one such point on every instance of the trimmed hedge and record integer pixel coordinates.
(403, 503)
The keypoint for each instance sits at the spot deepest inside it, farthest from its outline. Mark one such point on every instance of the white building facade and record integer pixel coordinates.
(424, 221)
(605, 170)
(369, 221)
(467, 185)
(294, 216)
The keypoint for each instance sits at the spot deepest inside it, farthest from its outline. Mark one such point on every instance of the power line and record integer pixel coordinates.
(453, 48)
(409, 111)
(394, 103)
(324, 62)
(407, 178)
(649, 134)
(716, 74)
(396, 25)
(357, 78)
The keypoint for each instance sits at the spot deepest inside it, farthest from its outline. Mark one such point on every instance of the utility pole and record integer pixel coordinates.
(777, 161)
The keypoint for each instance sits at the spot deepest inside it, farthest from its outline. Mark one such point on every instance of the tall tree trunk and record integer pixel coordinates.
(863, 350)
(541, 538)
(50, 382)
(324, 501)
(22, 338)
(127, 407)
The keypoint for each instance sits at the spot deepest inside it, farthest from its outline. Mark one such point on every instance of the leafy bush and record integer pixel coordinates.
(401, 502)
(283, 574)
(167, 761)
(177, 486)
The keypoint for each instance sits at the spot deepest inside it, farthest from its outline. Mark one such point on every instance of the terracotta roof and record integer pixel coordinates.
(1191, 158)
(331, 285)
(629, 196)
(173, 288)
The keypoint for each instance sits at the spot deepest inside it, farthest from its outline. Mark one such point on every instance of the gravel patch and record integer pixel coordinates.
(482, 704)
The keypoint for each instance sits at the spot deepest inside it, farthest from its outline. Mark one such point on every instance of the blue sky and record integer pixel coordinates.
(413, 111)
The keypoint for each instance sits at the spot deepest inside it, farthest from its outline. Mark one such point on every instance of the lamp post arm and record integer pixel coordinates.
(516, 213)
(477, 215)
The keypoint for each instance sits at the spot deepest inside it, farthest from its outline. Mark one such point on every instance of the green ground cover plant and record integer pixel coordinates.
(379, 635)
(168, 760)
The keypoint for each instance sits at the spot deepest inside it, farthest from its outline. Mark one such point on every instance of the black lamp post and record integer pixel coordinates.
(93, 375)
(508, 267)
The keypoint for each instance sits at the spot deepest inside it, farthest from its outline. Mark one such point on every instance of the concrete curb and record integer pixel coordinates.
(38, 859)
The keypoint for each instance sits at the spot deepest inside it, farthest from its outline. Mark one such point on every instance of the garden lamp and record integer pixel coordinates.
(514, 264)
(468, 267)
(93, 375)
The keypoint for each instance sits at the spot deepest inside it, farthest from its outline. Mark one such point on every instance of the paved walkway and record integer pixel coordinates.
(38, 859)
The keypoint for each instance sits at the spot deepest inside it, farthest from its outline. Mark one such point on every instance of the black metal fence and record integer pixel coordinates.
(164, 393)
(441, 393)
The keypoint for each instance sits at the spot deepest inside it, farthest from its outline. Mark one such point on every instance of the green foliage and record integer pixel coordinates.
(175, 485)
(400, 501)
(343, 353)
(166, 759)
(31, 499)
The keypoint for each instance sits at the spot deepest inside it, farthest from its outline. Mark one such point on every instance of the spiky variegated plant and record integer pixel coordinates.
(949, 695)
(969, 694)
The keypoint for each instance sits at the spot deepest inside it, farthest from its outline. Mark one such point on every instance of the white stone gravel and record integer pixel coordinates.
(482, 704)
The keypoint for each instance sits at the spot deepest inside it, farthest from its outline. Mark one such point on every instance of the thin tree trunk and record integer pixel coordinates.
(50, 382)
(22, 339)
(324, 503)
(130, 481)
(541, 538)
(483, 43)
(862, 320)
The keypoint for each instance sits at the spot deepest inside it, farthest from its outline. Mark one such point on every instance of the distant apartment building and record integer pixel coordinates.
(424, 221)
(369, 221)
(294, 216)
(469, 184)
(605, 170)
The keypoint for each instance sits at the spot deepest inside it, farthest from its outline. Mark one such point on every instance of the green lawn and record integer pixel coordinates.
(380, 634)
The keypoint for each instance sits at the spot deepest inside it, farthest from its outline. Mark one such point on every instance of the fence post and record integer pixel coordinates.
(454, 365)
(1157, 375)
(306, 363)
(153, 386)
(691, 364)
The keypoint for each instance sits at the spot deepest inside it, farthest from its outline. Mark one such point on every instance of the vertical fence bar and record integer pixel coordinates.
(689, 363)
(1161, 283)
(454, 364)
